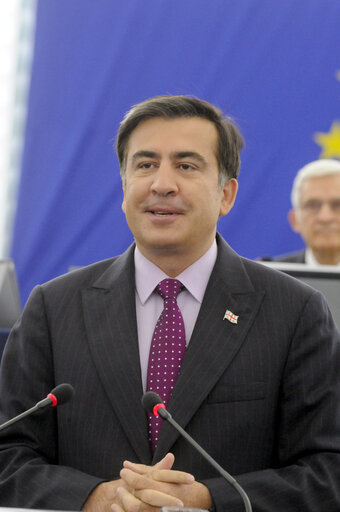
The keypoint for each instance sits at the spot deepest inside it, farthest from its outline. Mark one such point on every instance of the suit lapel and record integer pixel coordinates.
(110, 317)
(214, 342)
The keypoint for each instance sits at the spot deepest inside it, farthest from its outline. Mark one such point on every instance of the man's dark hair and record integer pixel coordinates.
(230, 141)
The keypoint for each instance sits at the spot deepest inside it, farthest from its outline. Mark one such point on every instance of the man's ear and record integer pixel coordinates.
(293, 220)
(229, 192)
(124, 202)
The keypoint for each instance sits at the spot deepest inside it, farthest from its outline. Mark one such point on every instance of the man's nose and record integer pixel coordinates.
(165, 182)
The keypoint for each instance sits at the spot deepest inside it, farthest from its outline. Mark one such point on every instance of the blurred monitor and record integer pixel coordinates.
(325, 278)
(10, 307)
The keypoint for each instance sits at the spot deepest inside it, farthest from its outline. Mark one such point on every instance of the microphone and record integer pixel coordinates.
(152, 403)
(59, 395)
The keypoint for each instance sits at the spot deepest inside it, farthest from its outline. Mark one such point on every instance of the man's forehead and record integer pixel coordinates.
(194, 134)
(329, 183)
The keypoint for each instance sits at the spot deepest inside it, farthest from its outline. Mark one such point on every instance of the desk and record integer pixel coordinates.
(14, 509)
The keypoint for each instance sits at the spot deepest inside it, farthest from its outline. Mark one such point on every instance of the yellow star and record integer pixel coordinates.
(330, 142)
(338, 75)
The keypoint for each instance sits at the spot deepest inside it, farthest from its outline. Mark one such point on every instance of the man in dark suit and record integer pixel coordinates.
(315, 213)
(259, 384)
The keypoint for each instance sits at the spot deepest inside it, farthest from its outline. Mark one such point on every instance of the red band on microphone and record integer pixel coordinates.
(157, 406)
(53, 398)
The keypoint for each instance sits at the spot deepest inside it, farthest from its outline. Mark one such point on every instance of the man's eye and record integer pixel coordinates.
(335, 205)
(312, 206)
(186, 167)
(145, 165)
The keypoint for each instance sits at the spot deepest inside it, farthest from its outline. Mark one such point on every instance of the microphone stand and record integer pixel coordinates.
(165, 415)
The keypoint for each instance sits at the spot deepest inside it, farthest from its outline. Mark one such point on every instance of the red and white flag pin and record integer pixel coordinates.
(230, 317)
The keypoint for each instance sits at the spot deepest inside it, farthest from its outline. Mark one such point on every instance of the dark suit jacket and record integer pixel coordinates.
(293, 257)
(262, 396)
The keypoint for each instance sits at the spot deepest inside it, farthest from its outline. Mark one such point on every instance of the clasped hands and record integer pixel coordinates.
(146, 488)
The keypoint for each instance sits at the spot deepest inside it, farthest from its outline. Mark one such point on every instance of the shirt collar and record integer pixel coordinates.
(195, 278)
(309, 258)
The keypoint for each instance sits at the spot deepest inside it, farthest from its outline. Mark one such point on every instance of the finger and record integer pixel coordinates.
(128, 502)
(116, 508)
(150, 479)
(158, 499)
(141, 469)
(166, 463)
(172, 476)
(136, 480)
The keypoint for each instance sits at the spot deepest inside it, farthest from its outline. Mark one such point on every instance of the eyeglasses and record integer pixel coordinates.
(314, 206)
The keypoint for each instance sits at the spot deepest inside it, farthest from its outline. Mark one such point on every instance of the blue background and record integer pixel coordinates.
(271, 65)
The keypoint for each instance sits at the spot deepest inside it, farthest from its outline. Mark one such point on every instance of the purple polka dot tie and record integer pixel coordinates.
(166, 351)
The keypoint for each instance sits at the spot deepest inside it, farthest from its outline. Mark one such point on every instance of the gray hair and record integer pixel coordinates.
(230, 141)
(316, 169)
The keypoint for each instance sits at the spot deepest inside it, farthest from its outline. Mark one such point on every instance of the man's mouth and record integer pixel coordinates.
(161, 214)
(162, 210)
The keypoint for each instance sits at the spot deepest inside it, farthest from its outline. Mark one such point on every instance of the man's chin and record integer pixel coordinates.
(326, 247)
(164, 243)
(166, 246)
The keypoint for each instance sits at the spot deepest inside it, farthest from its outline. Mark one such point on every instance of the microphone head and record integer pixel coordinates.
(149, 400)
(63, 393)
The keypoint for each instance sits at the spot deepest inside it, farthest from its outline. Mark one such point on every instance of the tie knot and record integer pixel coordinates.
(169, 288)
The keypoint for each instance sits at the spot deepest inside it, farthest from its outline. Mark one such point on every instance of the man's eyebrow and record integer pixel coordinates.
(144, 154)
(174, 156)
(189, 154)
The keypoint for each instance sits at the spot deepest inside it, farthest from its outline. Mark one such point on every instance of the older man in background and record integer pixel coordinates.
(316, 213)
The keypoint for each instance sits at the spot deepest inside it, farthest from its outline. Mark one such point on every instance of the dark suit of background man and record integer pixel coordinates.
(316, 213)
(260, 393)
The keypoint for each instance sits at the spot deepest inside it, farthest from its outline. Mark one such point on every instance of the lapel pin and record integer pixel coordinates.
(230, 317)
